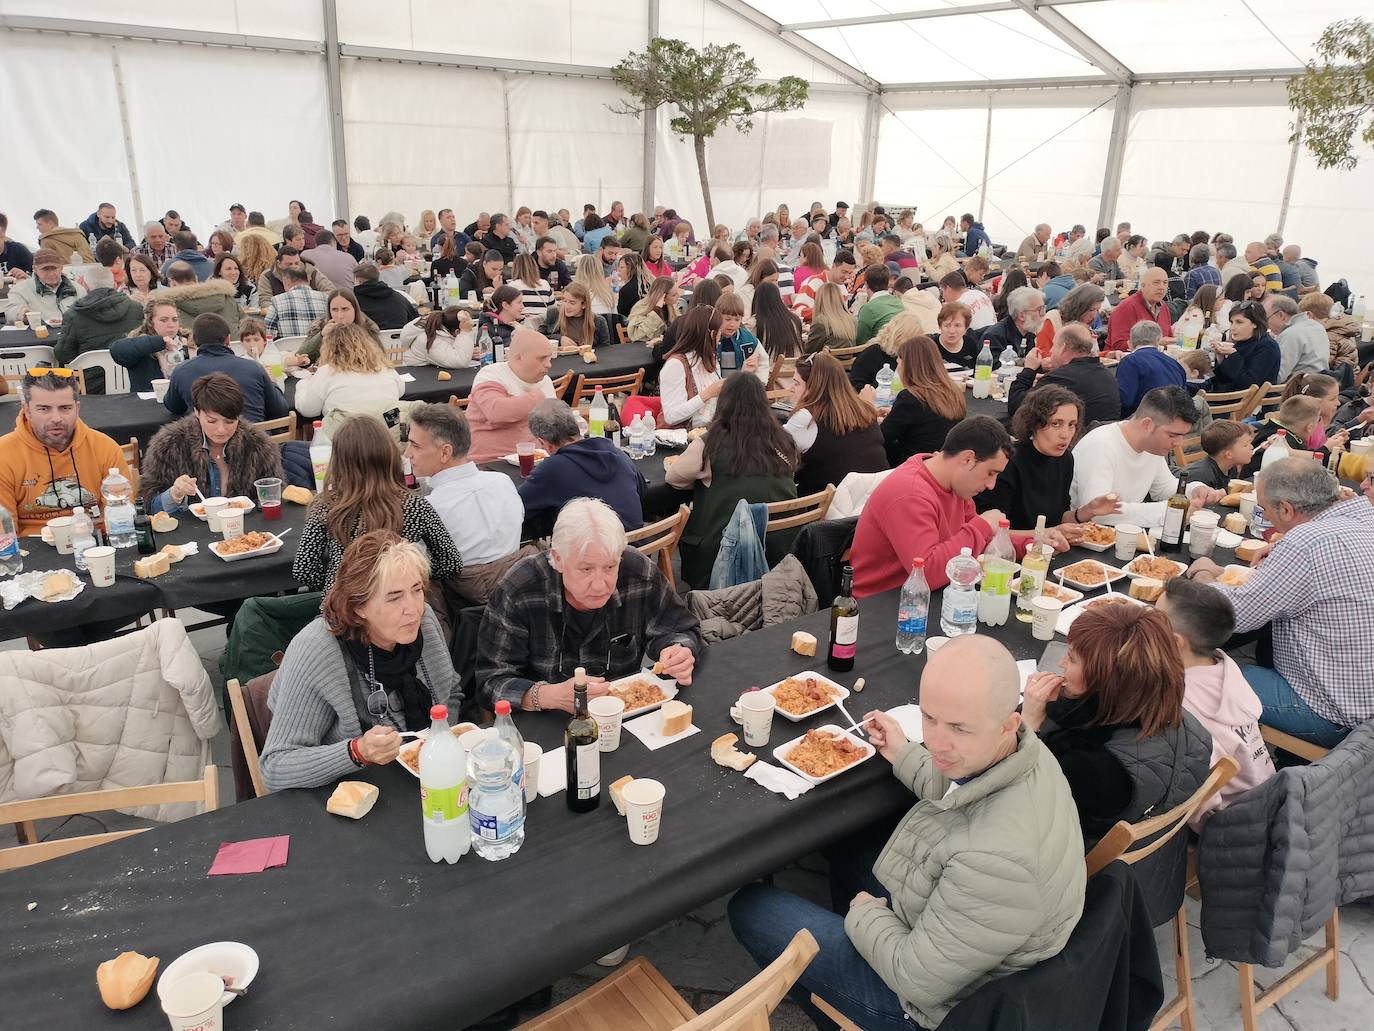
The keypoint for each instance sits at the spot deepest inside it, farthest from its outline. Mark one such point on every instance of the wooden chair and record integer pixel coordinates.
(1118, 844)
(1189, 450)
(458, 402)
(611, 386)
(781, 371)
(133, 458)
(244, 731)
(1294, 745)
(841, 1021)
(1268, 396)
(622, 335)
(205, 790)
(811, 509)
(661, 539)
(638, 998)
(1328, 956)
(1232, 404)
(561, 384)
(278, 429)
(846, 356)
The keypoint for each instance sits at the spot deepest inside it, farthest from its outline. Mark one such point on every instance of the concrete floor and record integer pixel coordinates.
(700, 957)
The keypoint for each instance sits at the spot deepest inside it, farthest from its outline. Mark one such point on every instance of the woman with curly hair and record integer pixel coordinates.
(354, 377)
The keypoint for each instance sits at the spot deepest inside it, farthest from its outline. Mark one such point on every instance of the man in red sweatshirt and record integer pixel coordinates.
(925, 507)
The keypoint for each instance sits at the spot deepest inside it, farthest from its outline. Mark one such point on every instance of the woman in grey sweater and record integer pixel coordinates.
(372, 664)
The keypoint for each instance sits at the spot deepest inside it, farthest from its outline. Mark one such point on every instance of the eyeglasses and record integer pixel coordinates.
(47, 370)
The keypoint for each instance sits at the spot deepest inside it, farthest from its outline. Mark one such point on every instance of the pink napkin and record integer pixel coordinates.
(252, 856)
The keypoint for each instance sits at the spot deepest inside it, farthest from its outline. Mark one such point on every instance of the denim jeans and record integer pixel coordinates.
(1285, 711)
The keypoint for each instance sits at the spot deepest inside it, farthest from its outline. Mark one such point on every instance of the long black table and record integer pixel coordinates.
(122, 416)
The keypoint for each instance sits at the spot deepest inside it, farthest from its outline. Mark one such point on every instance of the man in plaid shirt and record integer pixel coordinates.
(1314, 588)
(591, 602)
(298, 306)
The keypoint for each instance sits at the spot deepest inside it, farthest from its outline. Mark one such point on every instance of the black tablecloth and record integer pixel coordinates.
(196, 580)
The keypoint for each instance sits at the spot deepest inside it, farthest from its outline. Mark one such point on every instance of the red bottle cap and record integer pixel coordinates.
(503, 708)
(1004, 522)
(918, 563)
(438, 712)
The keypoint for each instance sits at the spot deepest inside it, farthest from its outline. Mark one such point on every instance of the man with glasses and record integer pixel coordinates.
(52, 461)
(1025, 316)
(1129, 459)
(591, 601)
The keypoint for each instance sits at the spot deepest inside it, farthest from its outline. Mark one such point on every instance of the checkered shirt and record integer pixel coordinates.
(293, 312)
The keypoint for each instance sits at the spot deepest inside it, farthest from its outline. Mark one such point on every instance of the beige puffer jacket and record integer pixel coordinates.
(785, 593)
(986, 879)
(129, 712)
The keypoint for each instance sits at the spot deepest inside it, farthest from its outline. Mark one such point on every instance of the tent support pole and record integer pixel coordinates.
(1116, 156)
(334, 81)
(510, 167)
(868, 165)
(987, 154)
(650, 131)
(1292, 171)
(129, 161)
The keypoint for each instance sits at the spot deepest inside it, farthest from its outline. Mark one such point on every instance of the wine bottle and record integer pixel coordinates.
(581, 742)
(844, 625)
(1175, 512)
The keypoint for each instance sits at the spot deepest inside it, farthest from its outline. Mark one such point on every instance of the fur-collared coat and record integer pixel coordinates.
(179, 448)
(215, 296)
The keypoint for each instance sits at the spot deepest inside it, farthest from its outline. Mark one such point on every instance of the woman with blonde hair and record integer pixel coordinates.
(836, 431)
(522, 226)
(354, 377)
(761, 271)
(587, 273)
(652, 315)
(832, 325)
(365, 491)
(928, 405)
(883, 350)
(572, 321)
(941, 261)
(427, 225)
(446, 338)
(256, 255)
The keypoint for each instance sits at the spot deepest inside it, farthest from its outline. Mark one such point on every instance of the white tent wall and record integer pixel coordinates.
(1331, 216)
(303, 21)
(930, 154)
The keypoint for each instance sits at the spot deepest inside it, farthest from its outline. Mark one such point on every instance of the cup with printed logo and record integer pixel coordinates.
(607, 711)
(231, 523)
(61, 528)
(212, 507)
(160, 388)
(195, 1002)
(643, 799)
(754, 712)
(1044, 617)
(100, 563)
(1127, 541)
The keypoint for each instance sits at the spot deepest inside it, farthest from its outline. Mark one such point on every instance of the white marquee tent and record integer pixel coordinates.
(1168, 113)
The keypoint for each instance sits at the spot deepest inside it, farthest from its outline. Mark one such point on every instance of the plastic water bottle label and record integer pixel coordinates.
(9, 545)
(983, 372)
(489, 827)
(911, 625)
(119, 519)
(444, 805)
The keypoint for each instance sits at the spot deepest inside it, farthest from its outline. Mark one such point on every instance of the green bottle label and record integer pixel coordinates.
(444, 805)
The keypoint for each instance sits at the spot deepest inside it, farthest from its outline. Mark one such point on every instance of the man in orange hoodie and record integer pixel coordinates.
(51, 461)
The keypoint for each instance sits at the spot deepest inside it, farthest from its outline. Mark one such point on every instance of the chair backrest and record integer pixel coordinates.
(1119, 841)
(661, 539)
(621, 333)
(133, 458)
(15, 361)
(611, 386)
(1189, 450)
(459, 402)
(205, 790)
(1229, 404)
(242, 728)
(561, 384)
(1268, 396)
(810, 509)
(285, 344)
(15, 382)
(781, 371)
(391, 344)
(116, 376)
(278, 429)
(846, 355)
(768, 987)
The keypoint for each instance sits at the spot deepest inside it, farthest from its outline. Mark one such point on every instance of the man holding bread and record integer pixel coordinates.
(983, 877)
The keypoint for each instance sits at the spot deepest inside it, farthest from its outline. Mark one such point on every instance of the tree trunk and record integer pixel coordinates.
(699, 143)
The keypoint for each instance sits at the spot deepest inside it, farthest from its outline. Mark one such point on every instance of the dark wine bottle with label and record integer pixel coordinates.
(844, 625)
(1175, 513)
(143, 529)
(581, 743)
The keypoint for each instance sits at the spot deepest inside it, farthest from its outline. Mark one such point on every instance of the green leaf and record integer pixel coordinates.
(1334, 102)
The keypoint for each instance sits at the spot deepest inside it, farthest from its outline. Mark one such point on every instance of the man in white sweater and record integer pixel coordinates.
(1128, 459)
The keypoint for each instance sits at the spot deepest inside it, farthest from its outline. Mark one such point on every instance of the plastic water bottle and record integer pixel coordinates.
(321, 450)
(913, 610)
(1277, 451)
(443, 791)
(453, 293)
(119, 510)
(1358, 310)
(650, 435)
(496, 807)
(959, 606)
(1006, 365)
(83, 536)
(635, 438)
(11, 561)
(599, 413)
(488, 352)
(883, 395)
(982, 371)
(505, 730)
(999, 562)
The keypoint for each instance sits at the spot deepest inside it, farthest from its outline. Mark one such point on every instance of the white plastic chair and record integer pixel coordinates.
(116, 376)
(15, 361)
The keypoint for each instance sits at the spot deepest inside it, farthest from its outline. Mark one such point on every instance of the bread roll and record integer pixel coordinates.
(724, 753)
(352, 798)
(1231, 500)
(1234, 523)
(125, 980)
(1248, 549)
(164, 523)
(57, 584)
(677, 717)
(173, 552)
(153, 565)
(1146, 588)
(618, 793)
(297, 495)
(804, 643)
(444, 376)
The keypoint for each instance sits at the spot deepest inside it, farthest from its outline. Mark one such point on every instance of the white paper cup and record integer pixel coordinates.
(754, 712)
(160, 388)
(61, 528)
(1127, 541)
(607, 711)
(231, 523)
(34, 319)
(1247, 505)
(533, 753)
(934, 644)
(101, 564)
(1044, 616)
(213, 507)
(192, 1003)
(643, 809)
(1363, 446)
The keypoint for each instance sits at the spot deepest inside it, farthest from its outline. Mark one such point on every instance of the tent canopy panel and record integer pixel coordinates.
(700, 22)
(1331, 216)
(245, 17)
(933, 158)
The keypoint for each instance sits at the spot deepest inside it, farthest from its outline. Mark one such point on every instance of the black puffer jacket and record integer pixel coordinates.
(388, 308)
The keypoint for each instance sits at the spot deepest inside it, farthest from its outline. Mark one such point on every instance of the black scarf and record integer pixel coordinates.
(396, 671)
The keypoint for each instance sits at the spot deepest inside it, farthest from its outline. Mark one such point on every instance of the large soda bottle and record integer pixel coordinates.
(999, 562)
(119, 510)
(959, 605)
(1035, 568)
(1277, 451)
(271, 361)
(982, 371)
(83, 536)
(913, 610)
(11, 561)
(599, 413)
(443, 792)
(496, 807)
(505, 729)
(321, 450)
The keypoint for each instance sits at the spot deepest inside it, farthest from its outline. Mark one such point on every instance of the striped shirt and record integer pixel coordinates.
(537, 299)
(804, 297)
(1269, 269)
(786, 286)
(1315, 588)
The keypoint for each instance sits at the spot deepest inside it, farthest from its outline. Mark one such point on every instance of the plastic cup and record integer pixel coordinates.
(61, 534)
(1044, 616)
(607, 711)
(754, 712)
(269, 497)
(34, 319)
(1202, 533)
(643, 809)
(213, 507)
(1247, 505)
(533, 753)
(934, 644)
(193, 1003)
(1127, 541)
(231, 523)
(524, 451)
(100, 562)
(160, 387)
